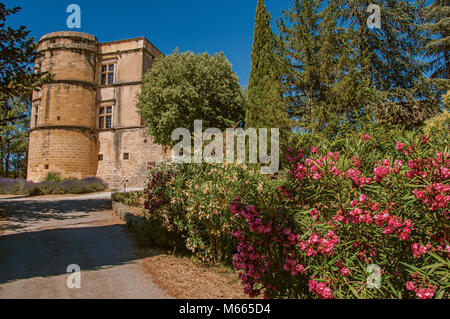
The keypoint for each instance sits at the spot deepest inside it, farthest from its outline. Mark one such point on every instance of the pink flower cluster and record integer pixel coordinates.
(424, 292)
(355, 176)
(317, 245)
(394, 225)
(320, 289)
(436, 196)
(381, 171)
(315, 169)
(420, 249)
(365, 212)
(251, 264)
(436, 167)
(365, 137)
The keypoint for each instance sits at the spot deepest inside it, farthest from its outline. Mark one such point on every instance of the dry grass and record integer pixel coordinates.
(184, 278)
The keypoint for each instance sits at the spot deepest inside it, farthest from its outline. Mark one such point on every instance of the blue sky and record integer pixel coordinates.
(197, 25)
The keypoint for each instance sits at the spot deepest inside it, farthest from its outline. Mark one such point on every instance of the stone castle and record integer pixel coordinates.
(85, 122)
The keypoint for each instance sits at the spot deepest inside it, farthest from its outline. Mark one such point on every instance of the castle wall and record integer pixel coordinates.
(70, 152)
(116, 170)
(66, 133)
(128, 134)
(63, 136)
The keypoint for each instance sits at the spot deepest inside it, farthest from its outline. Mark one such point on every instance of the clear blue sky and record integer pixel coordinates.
(197, 25)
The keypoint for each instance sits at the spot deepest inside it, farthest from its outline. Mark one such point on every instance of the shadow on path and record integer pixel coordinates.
(48, 253)
(19, 214)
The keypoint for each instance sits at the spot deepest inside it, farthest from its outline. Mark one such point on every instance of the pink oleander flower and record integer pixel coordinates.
(362, 198)
(320, 289)
(314, 150)
(399, 146)
(419, 194)
(335, 171)
(410, 286)
(426, 293)
(345, 271)
(403, 236)
(380, 172)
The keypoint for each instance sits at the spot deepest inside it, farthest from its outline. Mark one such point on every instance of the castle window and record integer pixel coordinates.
(108, 74)
(100, 157)
(36, 115)
(126, 156)
(105, 117)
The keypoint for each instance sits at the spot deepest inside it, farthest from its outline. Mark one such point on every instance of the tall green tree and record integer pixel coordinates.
(319, 78)
(437, 38)
(14, 139)
(17, 55)
(390, 57)
(265, 105)
(339, 71)
(184, 87)
(18, 79)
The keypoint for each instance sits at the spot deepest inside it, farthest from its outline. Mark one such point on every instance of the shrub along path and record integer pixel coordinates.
(44, 235)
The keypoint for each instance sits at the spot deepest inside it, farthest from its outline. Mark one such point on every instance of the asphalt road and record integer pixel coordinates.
(41, 237)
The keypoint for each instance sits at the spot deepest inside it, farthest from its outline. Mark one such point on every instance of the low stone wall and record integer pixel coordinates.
(126, 214)
(2, 228)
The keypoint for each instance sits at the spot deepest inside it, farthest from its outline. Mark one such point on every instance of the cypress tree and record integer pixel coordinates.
(265, 105)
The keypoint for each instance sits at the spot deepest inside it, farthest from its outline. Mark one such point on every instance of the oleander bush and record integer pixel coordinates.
(358, 217)
(51, 186)
(191, 202)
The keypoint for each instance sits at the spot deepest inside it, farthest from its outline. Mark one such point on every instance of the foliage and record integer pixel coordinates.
(17, 55)
(17, 81)
(184, 87)
(191, 201)
(265, 107)
(437, 38)
(51, 186)
(336, 69)
(341, 213)
(14, 130)
(53, 177)
(129, 198)
(320, 83)
(446, 98)
(438, 124)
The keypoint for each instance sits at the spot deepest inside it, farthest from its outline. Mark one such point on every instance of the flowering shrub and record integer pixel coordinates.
(342, 215)
(192, 201)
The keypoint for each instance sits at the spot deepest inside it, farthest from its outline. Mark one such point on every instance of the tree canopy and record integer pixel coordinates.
(184, 87)
(17, 81)
(338, 70)
(266, 108)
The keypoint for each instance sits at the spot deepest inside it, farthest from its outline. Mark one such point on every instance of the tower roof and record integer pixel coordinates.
(69, 34)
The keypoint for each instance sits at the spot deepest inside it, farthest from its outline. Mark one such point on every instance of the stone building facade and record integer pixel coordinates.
(85, 122)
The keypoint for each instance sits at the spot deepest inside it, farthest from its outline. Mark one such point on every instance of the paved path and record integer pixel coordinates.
(42, 236)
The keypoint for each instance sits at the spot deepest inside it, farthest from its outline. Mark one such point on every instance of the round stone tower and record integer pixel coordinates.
(63, 134)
